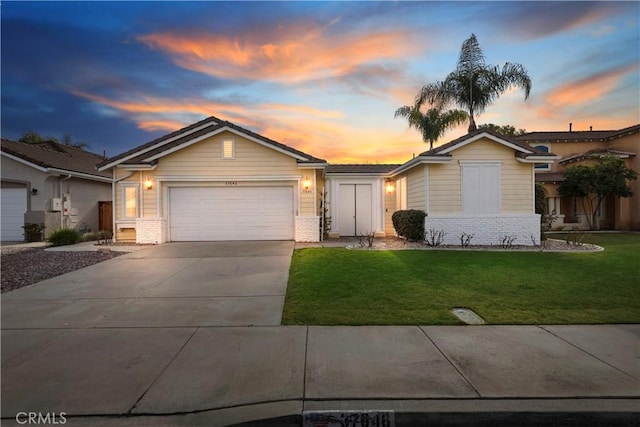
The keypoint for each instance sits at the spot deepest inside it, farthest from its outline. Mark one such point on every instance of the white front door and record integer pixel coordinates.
(354, 210)
(231, 213)
(14, 206)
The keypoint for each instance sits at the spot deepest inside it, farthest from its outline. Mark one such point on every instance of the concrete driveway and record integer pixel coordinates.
(171, 285)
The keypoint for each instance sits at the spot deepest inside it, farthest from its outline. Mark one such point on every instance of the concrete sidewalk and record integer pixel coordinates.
(227, 375)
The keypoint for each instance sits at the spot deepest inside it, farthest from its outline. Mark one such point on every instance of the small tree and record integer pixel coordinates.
(593, 183)
(507, 130)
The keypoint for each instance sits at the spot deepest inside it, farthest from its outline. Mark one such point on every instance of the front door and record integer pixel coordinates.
(355, 210)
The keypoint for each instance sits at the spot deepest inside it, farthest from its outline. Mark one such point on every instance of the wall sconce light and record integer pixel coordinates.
(148, 184)
(390, 187)
(34, 191)
(306, 184)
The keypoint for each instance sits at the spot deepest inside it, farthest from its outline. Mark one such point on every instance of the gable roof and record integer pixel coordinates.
(578, 136)
(53, 157)
(517, 146)
(442, 153)
(149, 153)
(361, 169)
(597, 153)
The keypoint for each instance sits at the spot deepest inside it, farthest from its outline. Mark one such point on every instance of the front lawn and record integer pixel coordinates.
(351, 287)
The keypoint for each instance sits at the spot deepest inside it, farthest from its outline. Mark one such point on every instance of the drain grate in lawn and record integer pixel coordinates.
(468, 316)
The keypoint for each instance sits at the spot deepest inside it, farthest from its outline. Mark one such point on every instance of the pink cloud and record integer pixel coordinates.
(306, 52)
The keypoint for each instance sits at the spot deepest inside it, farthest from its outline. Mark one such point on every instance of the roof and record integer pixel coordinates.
(597, 153)
(52, 155)
(152, 150)
(549, 176)
(525, 149)
(361, 169)
(578, 136)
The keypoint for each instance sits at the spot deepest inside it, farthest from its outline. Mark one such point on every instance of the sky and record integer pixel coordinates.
(322, 77)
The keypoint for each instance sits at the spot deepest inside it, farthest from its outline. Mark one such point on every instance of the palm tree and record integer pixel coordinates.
(431, 124)
(474, 85)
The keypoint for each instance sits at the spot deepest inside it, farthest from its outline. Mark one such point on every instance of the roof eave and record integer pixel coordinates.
(437, 159)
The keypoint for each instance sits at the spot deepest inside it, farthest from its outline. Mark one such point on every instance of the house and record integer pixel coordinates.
(580, 147)
(52, 184)
(215, 180)
(481, 184)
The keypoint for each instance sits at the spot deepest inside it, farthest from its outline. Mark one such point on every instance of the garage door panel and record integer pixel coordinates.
(14, 205)
(236, 213)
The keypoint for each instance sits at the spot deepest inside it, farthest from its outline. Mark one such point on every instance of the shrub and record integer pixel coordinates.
(65, 236)
(409, 224)
(33, 232)
(90, 237)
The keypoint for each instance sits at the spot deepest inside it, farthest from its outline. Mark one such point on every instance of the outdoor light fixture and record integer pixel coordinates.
(306, 183)
(390, 186)
(148, 184)
(34, 191)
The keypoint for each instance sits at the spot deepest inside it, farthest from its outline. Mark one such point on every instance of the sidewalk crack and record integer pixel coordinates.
(467, 380)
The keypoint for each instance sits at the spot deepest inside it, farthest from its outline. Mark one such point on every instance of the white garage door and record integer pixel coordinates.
(231, 213)
(14, 205)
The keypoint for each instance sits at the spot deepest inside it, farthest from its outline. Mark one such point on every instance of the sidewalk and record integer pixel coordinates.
(428, 375)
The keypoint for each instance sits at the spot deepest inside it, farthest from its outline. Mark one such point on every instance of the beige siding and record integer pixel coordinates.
(516, 179)
(203, 162)
(125, 235)
(444, 188)
(415, 188)
(203, 159)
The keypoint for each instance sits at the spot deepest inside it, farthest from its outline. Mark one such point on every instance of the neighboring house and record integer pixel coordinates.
(214, 180)
(481, 184)
(579, 147)
(52, 184)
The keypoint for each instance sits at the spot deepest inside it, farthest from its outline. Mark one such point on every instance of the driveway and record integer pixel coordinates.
(171, 285)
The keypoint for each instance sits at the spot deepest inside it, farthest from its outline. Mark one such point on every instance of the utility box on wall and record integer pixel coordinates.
(56, 204)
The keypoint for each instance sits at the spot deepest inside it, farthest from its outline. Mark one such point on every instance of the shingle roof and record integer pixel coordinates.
(595, 153)
(578, 136)
(58, 156)
(438, 151)
(361, 168)
(549, 176)
(209, 124)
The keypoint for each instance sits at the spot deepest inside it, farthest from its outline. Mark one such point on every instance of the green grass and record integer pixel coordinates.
(346, 287)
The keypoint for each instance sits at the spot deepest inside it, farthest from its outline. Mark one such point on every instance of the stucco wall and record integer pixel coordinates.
(85, 195)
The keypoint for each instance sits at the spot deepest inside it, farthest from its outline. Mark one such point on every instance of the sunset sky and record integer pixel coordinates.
(323, 77)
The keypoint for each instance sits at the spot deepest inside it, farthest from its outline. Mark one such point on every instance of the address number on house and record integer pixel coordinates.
(231, 183)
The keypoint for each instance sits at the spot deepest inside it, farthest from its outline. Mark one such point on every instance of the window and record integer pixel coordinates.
(401, 194)
(542, 166)
(228, 149)
(129, 201)
(480, 188)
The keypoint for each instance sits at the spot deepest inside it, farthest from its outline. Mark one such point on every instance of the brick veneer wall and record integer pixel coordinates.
(487, 229)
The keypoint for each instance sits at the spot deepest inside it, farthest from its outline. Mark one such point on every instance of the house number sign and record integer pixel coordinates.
(231, 183)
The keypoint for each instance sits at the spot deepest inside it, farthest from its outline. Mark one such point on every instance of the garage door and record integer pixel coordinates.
(14, 205)
(231, 213)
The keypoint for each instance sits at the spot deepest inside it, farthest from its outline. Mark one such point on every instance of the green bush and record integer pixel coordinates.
(409, 224)
(65, 236)
(33, 232)
(90, 237)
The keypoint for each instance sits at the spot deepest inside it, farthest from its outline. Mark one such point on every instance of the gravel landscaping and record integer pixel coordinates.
(25, 266)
